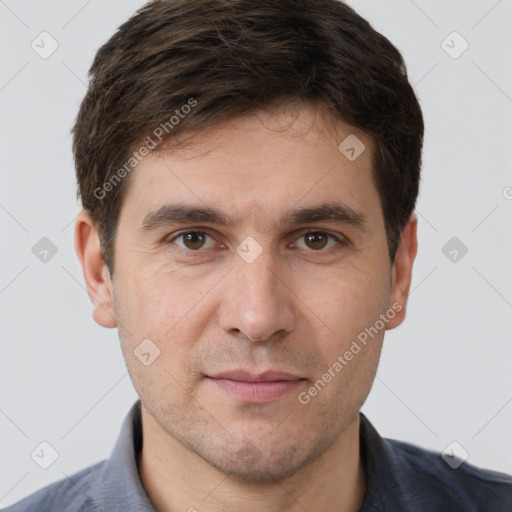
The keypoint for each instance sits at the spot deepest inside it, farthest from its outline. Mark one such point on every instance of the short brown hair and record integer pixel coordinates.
(233, 57)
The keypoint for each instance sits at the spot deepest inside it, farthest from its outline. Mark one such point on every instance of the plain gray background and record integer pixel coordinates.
(444, 375)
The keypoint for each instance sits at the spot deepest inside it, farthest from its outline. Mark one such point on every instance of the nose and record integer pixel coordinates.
(257, 301)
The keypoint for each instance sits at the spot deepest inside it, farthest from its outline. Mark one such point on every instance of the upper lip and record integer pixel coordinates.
(246, 376)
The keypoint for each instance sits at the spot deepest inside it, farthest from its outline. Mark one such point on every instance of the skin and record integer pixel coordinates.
(296, 308)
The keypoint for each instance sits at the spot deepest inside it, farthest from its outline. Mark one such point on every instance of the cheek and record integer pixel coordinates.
(158, 320)
(351, 350)
(160, 306)
(153, 300)
(348, 300)
(349, 303)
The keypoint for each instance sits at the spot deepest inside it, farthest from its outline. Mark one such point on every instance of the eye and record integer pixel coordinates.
(319, 240)
(193, 240)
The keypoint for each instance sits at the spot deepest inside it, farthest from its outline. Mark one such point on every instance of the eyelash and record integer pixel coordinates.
(341, 241)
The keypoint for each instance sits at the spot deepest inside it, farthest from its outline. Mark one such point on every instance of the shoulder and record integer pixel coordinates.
(71, 494)
(430, 478)
(403, 476)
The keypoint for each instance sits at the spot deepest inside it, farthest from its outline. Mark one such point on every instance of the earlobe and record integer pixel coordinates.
(96, 275)
(402, 271)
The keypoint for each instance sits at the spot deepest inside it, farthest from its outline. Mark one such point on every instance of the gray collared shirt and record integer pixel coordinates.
(400, 477)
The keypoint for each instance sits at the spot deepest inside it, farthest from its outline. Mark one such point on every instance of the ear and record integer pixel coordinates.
(96, 275)
(402, 271)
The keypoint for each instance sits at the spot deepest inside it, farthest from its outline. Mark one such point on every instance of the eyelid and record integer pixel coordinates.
(306, 231)
(338, 237)
(172, 238)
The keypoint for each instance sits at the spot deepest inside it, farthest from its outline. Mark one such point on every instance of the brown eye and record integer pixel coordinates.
(193, 240)
(318, 240)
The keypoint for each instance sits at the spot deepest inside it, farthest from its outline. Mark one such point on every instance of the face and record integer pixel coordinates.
(258, 248)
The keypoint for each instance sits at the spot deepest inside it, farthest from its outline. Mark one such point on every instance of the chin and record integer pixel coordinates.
(248, 463)
(264, 472)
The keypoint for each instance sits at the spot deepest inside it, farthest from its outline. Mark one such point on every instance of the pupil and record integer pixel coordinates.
(317, 240)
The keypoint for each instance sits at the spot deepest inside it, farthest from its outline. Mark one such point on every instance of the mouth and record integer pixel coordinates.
(256, 388)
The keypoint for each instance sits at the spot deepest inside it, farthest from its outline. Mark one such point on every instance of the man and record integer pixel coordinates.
(249, 172)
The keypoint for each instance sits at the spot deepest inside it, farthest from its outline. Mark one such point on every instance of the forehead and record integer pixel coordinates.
(264, 163)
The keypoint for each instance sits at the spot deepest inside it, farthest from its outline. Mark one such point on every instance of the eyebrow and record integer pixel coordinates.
(181, 213)
(333, 212)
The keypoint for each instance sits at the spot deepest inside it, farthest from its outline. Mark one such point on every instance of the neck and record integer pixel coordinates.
(176, 479)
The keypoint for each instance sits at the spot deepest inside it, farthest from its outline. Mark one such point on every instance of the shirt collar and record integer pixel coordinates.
(119, 486)
(385, 490)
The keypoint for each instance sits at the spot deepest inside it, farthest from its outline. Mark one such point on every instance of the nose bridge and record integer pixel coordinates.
(259, 280)
(255, 300)
(255, 262)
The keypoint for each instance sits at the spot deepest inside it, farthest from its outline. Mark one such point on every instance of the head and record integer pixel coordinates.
(215, 135)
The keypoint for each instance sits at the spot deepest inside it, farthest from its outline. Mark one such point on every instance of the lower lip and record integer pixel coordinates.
(261, 392)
